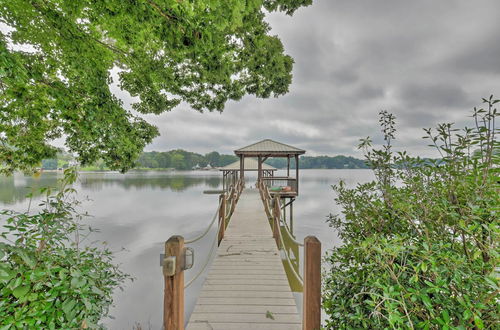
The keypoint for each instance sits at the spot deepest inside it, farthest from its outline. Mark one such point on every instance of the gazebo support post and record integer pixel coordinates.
(259, 168)
(297, 173)
(242, 167)
(288, 166)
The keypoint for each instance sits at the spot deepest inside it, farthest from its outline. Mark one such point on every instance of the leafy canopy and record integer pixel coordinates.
(202, 52)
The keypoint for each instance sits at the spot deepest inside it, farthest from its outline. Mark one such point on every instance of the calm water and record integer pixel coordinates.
(137, 212)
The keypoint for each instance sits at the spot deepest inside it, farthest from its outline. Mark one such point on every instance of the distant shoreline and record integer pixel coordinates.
(183, 171)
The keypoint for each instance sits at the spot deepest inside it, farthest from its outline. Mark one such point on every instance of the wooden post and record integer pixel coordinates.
(173, 297)
(222, 217)
(311, 318)
(288, 166)
(259, 168)
(276, 214)
(242, 167)
(297, 173)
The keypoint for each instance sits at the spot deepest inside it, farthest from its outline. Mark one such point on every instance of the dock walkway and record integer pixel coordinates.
(246, 287)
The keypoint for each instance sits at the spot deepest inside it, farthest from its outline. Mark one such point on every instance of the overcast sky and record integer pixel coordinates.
(425, 61)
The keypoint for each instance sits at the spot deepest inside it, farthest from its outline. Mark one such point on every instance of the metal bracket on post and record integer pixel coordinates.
(188, 252)
(169, 263)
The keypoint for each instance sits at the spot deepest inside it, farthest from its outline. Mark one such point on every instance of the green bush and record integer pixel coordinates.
(420, 243)
(49, 277)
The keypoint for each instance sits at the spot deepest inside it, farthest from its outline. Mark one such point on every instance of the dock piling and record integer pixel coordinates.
(222, 217)
(311, 319)
(173, 297)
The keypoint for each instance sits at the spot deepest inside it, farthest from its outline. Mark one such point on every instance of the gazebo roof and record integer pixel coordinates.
(251, 164)
(269, 147)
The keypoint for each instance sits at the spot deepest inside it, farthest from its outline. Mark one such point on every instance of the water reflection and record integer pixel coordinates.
(14, 189)
(177, 183)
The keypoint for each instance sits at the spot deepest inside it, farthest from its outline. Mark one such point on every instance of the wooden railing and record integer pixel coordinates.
(311, 280)
(175, 261)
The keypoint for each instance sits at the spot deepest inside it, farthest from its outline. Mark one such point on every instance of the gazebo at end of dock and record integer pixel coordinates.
(285, 186)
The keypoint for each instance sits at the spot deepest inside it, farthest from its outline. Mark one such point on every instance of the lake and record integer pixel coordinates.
(138, 211)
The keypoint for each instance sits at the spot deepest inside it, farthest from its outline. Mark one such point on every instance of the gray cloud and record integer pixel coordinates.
(425, 61)
(450, 95)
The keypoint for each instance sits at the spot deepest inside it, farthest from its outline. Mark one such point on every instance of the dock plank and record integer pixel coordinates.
(246, 286)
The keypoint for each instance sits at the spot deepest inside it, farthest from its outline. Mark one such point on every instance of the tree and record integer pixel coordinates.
(213, 158)
(178, 162)
(49, 164)
(163, 51)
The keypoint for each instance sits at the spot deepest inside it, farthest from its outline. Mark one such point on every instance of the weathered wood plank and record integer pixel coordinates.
(250, 281)
(246, 318)
(250, 309)
(247, 301)
(245, 287)
(241, 326)
(246, 294)
(248, 276)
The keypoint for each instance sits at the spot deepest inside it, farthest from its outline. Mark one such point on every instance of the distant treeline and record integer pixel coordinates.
(319, 162)
(185, 160)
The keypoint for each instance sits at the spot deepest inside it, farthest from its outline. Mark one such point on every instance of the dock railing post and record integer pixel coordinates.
(173, 298)
(311, 318)
(222, 217)
(276, 219)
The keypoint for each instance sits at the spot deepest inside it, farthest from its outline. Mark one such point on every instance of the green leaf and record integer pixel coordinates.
(78, 282)
(67, 306)
(427, 302)
(446, 316)
(98, 291)
(478, 322)
(26, 258)
(21, 291)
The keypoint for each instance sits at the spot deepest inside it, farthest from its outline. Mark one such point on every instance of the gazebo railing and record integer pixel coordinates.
(280, 183)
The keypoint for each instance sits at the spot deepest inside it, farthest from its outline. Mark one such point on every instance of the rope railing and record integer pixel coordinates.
(207, 260)
(227, 209)
(189, 241)
(229, 206)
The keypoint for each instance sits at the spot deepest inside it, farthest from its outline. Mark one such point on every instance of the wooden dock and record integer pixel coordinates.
(246, 287)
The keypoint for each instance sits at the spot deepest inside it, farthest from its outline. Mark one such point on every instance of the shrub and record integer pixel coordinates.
(49, 277)
(420, 243)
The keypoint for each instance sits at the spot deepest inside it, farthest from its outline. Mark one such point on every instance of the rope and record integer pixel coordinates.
(208, 228)
(214, 244)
